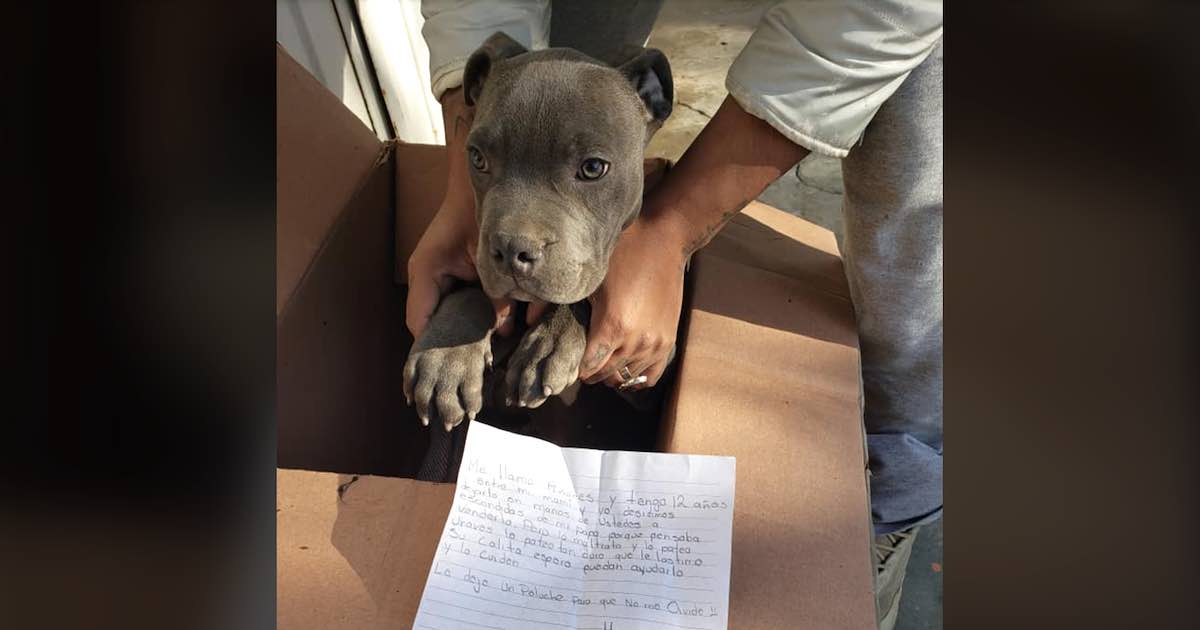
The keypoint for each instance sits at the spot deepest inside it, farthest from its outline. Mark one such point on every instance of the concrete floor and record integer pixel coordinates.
(921, 602)
(701, 38)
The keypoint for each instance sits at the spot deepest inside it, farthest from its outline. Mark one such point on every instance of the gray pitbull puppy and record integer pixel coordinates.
(556, 160)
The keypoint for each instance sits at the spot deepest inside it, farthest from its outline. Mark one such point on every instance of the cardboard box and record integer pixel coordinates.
(768, 371)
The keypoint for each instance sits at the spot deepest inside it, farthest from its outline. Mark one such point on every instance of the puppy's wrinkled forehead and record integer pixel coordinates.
(560, 105)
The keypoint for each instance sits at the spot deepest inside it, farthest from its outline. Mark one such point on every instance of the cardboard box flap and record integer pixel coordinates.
(420, 186)
(342, 344)
(767, 238)
(769, 374)
(353, 552)
(323, 154)
(315, 586)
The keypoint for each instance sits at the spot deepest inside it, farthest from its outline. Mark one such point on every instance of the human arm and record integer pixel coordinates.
(811, 78)
(635, 312)
(446, 251)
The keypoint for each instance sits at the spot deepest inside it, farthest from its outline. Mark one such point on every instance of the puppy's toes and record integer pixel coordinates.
(522, 367)
(560, 369)
(523, 378)
(471, 393)
(531, 388)
(423, 395)
(409, 379)
(450, 411)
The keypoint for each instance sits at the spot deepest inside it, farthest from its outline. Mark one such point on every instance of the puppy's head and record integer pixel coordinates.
(555, 156)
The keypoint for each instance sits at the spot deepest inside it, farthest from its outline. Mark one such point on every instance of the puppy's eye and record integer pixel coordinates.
(477, 160)
(592, 168)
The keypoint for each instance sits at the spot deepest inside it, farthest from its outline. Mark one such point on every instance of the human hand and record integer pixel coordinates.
(635, 312)
(445, 253)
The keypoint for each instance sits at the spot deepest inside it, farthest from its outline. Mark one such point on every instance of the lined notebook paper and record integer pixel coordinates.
(547, 537)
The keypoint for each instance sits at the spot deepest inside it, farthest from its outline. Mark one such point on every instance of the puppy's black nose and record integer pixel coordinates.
(519, 254)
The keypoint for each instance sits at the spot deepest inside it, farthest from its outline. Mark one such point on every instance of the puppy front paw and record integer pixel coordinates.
(446, 383)
(547, 360)
(444, 372)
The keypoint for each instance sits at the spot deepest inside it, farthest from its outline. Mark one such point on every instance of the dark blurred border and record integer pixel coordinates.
(146, 499)
(144, 145)
(1071, 315)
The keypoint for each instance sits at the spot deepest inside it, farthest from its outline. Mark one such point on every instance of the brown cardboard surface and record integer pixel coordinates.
(770, 374)
(315, 587)
(358, 557)
(388, 530)
(766, 238)
(421, 182)
(341, 346)
(323, 153)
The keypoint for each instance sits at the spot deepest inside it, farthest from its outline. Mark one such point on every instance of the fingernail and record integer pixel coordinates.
(508, 401)
(424, 422)
(546, 390)
(471, 417)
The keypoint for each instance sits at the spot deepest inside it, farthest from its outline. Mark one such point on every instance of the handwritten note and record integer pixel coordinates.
(547, 537)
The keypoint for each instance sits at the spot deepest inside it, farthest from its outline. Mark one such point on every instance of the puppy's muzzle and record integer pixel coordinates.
(519, 255)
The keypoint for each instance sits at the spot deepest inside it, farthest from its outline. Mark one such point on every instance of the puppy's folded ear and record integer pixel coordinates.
(650, 75)
(496, 48)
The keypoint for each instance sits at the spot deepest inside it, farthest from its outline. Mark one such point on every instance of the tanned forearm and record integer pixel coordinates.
(729, 164)
(457, 119)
